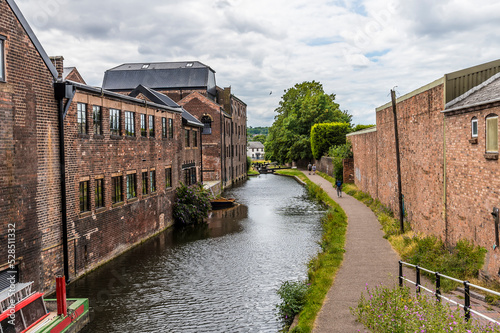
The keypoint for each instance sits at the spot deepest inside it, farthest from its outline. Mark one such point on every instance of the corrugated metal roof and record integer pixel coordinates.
(487, 92)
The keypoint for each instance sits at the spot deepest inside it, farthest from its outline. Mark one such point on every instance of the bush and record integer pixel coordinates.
(396, 310)
(324, 136)
(192, 204)
(293, 298)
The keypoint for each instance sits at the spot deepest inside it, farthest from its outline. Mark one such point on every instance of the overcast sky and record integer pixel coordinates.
(357, 49)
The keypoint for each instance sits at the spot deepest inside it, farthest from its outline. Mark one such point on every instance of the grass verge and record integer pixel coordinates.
(323, 267)
(252, 172)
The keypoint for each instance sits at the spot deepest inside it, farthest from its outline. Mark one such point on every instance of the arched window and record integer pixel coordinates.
(474, 127)
(492, 133)
(207, 125)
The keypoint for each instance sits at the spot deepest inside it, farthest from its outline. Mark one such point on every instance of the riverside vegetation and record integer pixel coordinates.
(321, 269)
(461, 261)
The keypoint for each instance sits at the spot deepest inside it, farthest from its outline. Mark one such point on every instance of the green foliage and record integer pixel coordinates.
(249, 163)
(293, 298)
(396, 310)
(339, 153)
(324, 136)
(252, 131)
(259, 137)
(192, 204)
(361, 127)
(300, 108)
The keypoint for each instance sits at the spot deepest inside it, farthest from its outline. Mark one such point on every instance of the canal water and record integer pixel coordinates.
(218, 278)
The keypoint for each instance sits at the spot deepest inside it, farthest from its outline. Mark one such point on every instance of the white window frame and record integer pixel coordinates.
(473, 122)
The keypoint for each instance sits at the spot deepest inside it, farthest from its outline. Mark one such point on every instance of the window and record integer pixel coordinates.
(97, 117)
(195, 139)
(114, 121)
(145, 183)
(186, 136)
(163, 127)
(474, 127)
(190, 176)
(170, 128)
(152, 180)
(207, 125)
(152, 126)
(99, 193)
(131, 193)
(84, 196)
(492, 134)
(81, 110)
(2, 59)
(129, 124)
(168, 177)
(116, 183)
(143, 125)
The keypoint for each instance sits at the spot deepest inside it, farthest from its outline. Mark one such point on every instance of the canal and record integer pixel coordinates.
(218, 278)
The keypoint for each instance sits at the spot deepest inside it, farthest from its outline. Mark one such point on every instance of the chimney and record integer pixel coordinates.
(58, 62)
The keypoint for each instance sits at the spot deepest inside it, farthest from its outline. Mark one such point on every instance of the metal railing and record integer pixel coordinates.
(467, 285)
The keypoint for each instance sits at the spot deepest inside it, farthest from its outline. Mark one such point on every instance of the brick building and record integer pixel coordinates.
(437, 165)
(69, 205)
(30, 188)
(192, 85)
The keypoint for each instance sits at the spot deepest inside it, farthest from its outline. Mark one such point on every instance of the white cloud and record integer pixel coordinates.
(358, 50)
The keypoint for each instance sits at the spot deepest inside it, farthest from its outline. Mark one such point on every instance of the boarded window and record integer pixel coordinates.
(492, 134)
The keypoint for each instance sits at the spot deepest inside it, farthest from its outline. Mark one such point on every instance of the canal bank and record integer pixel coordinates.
(369, 261)
(221, 277)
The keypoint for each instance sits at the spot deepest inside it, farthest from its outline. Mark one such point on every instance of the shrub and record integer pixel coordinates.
(293, 298)
(192, 204)
(324, 136)
(396, 310)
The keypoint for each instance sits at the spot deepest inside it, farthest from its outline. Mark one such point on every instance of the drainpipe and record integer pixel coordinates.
(61, 91)
(223, 151)
(201, 154)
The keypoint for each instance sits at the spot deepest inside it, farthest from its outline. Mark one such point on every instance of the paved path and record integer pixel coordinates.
(369, 259)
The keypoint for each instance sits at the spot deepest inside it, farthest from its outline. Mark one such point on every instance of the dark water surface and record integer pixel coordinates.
(219, 278)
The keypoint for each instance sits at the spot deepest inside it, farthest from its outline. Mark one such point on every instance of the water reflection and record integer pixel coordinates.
(221, 277)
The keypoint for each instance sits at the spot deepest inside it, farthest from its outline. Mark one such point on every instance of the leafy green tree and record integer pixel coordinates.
(300, 108)
(324, 136)
(260, 137)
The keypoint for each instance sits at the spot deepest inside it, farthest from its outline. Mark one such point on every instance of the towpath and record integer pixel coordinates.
(368, 259)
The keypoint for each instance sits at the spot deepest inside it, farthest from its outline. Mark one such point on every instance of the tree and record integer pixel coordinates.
(260, 137)
(300, 108)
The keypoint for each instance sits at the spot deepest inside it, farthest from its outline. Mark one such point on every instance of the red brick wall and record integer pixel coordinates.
(420, 126)
(364, 147)
(29, 159)
(106, 232)
(473, 185)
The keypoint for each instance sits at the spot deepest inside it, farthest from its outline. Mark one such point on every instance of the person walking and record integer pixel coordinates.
(309, 166)
(314, 169)
(338, 184)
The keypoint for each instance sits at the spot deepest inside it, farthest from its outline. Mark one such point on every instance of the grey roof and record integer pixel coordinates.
(154, 96)
(161, 75)
(159, 98)
(12, 4)
(255, 145)
(486, 92)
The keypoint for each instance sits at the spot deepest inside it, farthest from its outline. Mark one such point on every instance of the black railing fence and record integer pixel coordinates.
(467, 285)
